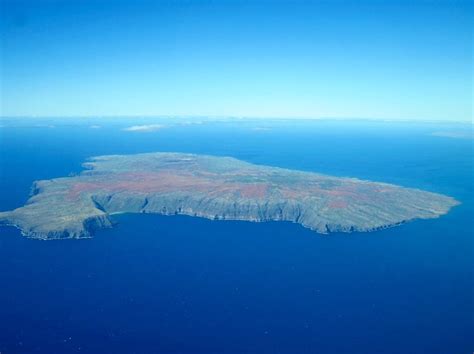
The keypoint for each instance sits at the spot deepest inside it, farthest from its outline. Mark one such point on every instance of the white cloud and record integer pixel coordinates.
(144, 128)
(261, 129)
(455, 134)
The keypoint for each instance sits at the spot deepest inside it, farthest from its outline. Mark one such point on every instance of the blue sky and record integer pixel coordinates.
(377, 59)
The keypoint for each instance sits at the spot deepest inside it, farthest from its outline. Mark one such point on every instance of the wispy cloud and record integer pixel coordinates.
(261, 129)
(49, 126)
(191, 122)
(95, 126)
(455, 134)
(144, 128)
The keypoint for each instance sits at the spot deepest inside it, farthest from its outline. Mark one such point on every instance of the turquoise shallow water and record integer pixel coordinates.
(181, 284)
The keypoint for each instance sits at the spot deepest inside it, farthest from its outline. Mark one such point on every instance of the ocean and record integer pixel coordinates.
(177, 284)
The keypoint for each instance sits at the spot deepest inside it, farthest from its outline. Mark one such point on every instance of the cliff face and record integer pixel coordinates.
(214, 188)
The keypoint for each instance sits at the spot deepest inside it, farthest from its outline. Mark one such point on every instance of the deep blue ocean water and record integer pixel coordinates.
(156, 284)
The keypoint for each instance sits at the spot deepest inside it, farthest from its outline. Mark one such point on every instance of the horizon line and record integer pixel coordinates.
(235, 117)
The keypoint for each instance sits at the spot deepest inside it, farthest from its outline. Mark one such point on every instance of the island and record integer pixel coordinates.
(218, 188)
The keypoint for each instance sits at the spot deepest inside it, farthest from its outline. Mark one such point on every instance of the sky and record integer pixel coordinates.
(409, 60)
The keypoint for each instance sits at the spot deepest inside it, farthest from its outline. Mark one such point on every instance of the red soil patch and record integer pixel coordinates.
(339, 193)
(144, 182)
(82, 187)
(253, 190)
(290, 193)
(338, 204)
